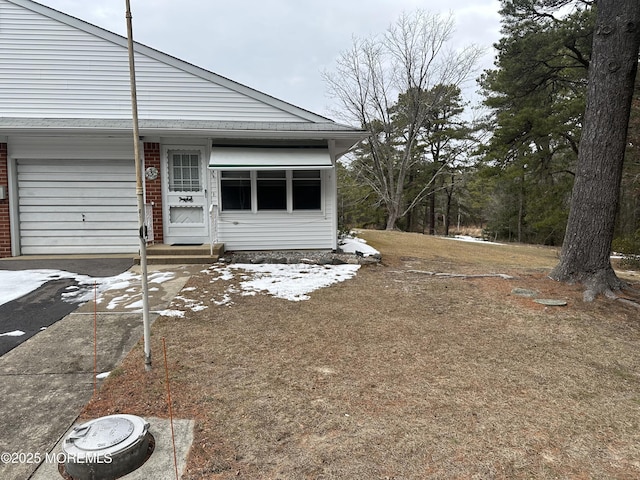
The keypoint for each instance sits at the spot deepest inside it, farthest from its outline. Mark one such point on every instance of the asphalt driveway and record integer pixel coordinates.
(41, 308)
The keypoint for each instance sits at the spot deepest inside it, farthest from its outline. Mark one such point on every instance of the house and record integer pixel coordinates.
(223, 163)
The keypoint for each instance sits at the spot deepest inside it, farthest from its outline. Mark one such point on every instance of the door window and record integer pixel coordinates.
(184, 172)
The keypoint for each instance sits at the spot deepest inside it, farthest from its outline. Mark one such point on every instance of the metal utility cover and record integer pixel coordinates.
(108, 435)
(105, 433)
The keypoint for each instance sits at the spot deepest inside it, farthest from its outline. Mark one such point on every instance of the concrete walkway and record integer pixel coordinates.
(46, 381)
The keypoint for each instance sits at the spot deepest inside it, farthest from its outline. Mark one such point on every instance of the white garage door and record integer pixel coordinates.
(77, 206)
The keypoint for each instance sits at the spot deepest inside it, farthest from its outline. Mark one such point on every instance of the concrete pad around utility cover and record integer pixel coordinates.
(524, 292)
(551, 302)
(159, 466)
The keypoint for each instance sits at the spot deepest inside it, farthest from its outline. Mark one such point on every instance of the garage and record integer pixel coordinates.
(76, 206)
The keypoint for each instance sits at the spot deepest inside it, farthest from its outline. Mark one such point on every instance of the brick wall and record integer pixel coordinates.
(5, 227)
(153, 188)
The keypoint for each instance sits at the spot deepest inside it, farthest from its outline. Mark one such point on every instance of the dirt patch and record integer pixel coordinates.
(399, 375)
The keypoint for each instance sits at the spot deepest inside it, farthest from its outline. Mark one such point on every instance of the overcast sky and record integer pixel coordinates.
(279, 47)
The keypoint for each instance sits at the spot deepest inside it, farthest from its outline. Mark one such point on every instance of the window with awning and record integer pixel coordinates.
(271, 190)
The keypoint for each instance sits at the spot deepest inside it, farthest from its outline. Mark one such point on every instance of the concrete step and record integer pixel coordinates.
(182, 254)
(179, 259)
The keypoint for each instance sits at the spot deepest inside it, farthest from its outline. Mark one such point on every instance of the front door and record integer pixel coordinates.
(186, 217)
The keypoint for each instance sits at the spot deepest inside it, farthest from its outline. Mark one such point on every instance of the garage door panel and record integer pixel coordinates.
(69, 229)
(83, 166)
(78, 219)
(76, 176)
(92, 195)
(54, 202)
(113, 210)
(74, 250)
(64, 185)
(78, 173)
(81, 241)
(77, 206)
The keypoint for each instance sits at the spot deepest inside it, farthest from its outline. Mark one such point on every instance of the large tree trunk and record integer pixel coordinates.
(585, 255)
(393, 215)
(447, 218)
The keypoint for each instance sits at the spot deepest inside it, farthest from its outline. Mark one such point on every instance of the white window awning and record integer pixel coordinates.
(246, 158)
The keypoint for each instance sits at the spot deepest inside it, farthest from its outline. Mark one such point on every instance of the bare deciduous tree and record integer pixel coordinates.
(410, 58)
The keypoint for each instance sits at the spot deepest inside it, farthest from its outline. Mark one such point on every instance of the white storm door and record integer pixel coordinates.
(186, 216)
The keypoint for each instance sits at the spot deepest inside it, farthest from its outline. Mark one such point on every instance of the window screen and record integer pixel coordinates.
(235, 190)
(271, 189)
(306, 189)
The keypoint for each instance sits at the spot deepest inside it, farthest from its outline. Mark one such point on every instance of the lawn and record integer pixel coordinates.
(400, 372)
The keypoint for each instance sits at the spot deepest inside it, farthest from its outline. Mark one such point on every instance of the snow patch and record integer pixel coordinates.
(291, 282)
(16, 284)
(171, 313)
(467, 238)
(357, 245)
(15, 333)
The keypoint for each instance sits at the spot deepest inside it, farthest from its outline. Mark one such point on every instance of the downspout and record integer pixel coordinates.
(334, 192)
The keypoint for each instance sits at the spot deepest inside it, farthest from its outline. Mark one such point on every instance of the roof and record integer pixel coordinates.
(311, 124)
(344, 136)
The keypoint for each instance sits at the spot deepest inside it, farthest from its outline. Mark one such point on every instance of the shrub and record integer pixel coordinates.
(629, 247)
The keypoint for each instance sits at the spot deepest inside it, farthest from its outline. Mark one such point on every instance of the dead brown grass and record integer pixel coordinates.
(397, 375)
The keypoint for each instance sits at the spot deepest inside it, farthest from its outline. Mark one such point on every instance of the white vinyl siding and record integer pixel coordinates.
(49, 69)
(275, 232)
(270, 230)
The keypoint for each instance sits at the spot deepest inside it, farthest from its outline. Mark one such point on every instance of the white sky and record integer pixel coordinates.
(279, 47)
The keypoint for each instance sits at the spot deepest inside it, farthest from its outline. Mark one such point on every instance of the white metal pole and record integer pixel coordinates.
(140, 195)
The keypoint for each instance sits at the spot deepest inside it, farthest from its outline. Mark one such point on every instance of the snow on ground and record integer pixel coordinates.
(354, 244)
(15, 333)
(467, 238)
(171, 313)
(15, 284)
(288, 281)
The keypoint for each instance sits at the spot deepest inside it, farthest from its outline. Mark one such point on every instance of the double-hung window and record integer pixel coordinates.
(306, 189)
(235, 187)
(271, 190)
